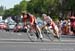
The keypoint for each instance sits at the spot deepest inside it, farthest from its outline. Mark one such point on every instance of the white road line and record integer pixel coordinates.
(41, 43)
(27, 40)
(43, 39)
(13, 39)
(19, 34)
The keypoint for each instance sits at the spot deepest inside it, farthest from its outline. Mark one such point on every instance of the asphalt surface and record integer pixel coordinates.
(10, 41)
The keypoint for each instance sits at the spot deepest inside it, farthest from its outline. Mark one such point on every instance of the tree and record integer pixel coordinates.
(67, 6)
(16, 10)
(23, 5)
(1, 10)
(36, 7)
(7, 13)
(43, 6)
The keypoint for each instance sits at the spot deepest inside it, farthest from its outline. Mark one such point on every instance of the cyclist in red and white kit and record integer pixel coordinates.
(49, 22)
(27, 17)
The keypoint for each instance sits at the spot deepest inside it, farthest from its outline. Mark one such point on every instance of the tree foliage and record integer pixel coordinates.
(1, 10)
(37, 7)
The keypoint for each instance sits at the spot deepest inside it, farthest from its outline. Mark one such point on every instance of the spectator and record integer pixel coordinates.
(72, 20)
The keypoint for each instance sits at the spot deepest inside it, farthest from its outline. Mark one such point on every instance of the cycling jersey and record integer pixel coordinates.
(47, 19)
(30, 20)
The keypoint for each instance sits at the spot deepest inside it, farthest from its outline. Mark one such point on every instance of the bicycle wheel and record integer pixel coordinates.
(49, 34)
(31, 35)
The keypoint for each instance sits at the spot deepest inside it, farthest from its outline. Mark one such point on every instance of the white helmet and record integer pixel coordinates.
(44, 15)
(49, 18)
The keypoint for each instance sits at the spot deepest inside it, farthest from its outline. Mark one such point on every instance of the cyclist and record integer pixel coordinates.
(27, 17)
(49, 22)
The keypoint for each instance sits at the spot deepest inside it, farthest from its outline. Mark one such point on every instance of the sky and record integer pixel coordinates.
(9, 3)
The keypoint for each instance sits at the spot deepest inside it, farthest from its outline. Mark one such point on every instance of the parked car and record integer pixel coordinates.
(20, 28)
(10, 26)
(3, 25)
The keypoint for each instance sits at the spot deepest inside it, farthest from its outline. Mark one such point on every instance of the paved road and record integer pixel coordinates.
(10, 41)
(23, 36)
(37, 46)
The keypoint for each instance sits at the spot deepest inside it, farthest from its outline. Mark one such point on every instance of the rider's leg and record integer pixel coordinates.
(56, 30)
(38, 29)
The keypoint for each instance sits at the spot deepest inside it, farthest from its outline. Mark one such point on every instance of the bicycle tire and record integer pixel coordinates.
(49, 35)
(31, 36)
